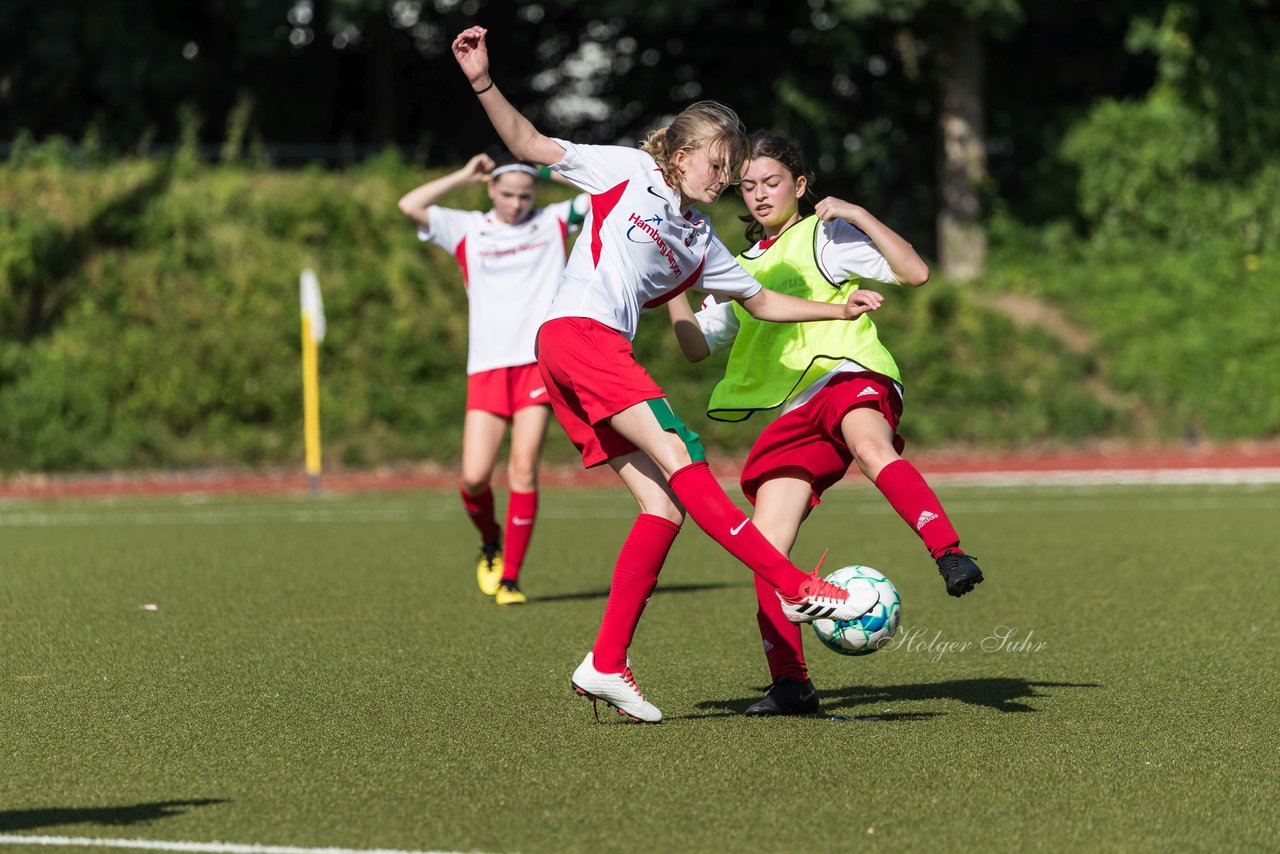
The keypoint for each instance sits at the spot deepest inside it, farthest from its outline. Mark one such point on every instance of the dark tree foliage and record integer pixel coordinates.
(1221, 57)
(855, 81)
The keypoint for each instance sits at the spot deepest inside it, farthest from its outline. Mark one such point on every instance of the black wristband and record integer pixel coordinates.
(485, 89)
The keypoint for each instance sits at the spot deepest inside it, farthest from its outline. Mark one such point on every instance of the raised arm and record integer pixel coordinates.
(414, 203)
(784, 308)
(693, 344)
(907, 266)
(520, 136)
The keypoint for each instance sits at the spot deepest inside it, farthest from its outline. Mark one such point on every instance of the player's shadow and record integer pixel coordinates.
(1004, 694)
(1001, 694)
(662, 590)
(735, 709)
(109, 816)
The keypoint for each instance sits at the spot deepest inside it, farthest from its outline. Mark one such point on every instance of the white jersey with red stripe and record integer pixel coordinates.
(640, 249)
(511, 273)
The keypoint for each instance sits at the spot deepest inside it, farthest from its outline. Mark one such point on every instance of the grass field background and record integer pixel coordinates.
(323, 672)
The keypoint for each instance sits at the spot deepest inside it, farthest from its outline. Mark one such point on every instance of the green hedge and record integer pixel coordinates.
(149, 318)
(1179, 277)
(175, 338)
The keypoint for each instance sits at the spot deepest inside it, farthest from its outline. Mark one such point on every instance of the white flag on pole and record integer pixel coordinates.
(312, 304)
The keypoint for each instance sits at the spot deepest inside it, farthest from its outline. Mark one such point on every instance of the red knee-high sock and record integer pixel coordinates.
(522, 510)
(480, 509)
(708, 505)
(634, 577)
(918, 506)
(782, 647)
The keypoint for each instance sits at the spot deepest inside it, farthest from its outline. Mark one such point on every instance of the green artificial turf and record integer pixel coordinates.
(323, 672)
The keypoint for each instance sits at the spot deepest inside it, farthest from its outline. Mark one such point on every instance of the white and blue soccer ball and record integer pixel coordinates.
(873, 629)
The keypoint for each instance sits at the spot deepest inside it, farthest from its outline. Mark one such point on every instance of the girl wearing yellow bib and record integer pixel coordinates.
(835, 388)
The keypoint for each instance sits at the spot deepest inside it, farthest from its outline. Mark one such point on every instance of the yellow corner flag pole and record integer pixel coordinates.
(312, 334)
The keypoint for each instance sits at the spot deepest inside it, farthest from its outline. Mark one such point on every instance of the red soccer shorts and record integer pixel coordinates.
(591, 374)
(809, 437)
(505, 391)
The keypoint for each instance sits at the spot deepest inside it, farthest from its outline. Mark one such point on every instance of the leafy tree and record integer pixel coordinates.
(953, 33)
(1221, 59)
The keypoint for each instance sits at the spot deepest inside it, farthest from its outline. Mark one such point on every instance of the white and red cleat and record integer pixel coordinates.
(819, 599)
(617, 689)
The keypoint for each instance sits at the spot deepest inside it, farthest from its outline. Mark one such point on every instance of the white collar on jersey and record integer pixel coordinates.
(491, 218)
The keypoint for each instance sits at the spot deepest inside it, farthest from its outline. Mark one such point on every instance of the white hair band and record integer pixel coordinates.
(513, 167)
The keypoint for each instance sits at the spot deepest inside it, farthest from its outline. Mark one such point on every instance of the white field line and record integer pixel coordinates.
(1087, 502)
(1171, 505)
(198, 516)
(211, 847)
(1081, 477)
(1106, 477)
(1083, 504)
(209, 516)
(1077, 484)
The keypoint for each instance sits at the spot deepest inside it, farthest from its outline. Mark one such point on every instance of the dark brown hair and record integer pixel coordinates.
(768, 143)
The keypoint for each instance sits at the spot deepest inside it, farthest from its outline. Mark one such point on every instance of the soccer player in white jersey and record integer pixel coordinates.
(836, 388)
(511, 259)
(644, 245)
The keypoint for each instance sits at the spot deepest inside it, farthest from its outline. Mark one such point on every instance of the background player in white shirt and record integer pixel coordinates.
(645, 245)
(511, 260)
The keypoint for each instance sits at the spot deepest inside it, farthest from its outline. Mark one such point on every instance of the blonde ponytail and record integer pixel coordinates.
(706, 124)
(655, 143)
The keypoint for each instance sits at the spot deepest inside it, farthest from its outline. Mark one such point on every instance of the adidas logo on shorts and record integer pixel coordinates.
(869, 390)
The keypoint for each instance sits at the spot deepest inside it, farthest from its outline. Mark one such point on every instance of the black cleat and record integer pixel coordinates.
(787, 697)
(959, 572)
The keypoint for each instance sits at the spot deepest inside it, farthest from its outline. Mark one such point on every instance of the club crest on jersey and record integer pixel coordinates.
(694, 228)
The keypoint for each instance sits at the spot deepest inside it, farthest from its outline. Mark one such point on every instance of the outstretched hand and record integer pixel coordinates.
(472, 54)
(522, 139)
(860, 302)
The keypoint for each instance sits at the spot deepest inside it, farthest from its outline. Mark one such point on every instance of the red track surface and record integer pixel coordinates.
(1096, 459)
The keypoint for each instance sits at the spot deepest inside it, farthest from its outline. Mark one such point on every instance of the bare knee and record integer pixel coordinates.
(671, 513)
(872, 453)
(473, 485)
(663, 507)
(522, 477)
(672, 454)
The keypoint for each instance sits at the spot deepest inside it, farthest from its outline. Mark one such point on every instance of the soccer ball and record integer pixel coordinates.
(873, 629)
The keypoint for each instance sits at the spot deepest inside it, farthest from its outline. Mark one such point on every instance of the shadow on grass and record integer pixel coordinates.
(1001, 694)
(741, 705)
(111, 816)
(662, 590)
